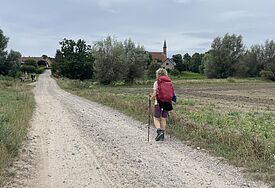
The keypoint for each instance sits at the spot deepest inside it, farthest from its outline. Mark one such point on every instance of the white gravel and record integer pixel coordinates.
(74, 142)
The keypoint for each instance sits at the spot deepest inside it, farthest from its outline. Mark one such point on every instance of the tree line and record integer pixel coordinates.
(110, 60)
(107, 61)
(10, 62)
(228, 57)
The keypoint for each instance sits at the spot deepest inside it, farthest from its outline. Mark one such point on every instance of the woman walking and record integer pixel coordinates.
(162, 95)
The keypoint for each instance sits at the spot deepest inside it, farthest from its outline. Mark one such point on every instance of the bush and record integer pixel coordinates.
(31, 62)
(28, 68)
(269, 75)
(40, 70)
(175, 72)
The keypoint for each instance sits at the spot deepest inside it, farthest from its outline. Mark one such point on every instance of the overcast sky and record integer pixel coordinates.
(35, 27)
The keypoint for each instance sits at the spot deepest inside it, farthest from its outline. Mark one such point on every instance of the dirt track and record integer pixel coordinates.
(77, 143)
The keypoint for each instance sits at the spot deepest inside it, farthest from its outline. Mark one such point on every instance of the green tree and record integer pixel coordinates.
(153, 67)
(9, 62)
(179, 62)
(74, 60)
(205, 59)
(3, 45)
(117, 61)
(58, 61)
(208, 63)
(265, 58)
(248, 65)
(258, 61)
(225, 55)
(195, 62)
(186, 62)
(136, 60)
(109, 64)
(150, 60)
(10, 65)
(3, 53)
(268, 56)
(13, 61)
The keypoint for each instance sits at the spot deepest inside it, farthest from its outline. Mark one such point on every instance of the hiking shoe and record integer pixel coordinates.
(160, 135)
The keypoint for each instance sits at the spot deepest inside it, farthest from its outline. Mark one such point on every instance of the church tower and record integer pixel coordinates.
(164, 48)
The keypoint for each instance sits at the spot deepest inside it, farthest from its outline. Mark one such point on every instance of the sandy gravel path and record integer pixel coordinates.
(77, 143)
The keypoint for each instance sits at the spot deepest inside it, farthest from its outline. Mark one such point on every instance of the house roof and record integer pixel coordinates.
(158, 56)
(34, 58)
(172, 61)
(48, 59)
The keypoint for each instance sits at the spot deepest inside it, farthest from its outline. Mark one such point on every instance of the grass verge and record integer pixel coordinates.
(16, 107)
(244, 139)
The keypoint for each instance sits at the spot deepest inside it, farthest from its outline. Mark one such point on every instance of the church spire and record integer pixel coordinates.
(164, 48)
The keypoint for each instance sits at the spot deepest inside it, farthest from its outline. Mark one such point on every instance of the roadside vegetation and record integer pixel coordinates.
(243, 138)
(120, 75)
(16, 103)
(16, 107)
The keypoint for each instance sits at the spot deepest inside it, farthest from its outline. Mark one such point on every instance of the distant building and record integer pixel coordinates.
(168, 64)
(161, 57)
(41, 61)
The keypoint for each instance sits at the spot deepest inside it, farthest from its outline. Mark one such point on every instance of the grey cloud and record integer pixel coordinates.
(185, 24)
(202, 34)
(183, 1)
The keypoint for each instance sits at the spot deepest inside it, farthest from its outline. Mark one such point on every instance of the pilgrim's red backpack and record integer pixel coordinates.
(165, 90)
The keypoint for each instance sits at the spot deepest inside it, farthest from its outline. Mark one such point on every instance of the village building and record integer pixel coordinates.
(166, 63)
(41, 61)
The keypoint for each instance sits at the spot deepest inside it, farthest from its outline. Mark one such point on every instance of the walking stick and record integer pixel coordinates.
(149, 116)
(169, 122)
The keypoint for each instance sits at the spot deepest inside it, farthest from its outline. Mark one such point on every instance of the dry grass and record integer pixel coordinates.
(16, 107)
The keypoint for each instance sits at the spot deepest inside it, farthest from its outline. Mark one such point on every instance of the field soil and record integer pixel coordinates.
(246, 97)
(74, 142)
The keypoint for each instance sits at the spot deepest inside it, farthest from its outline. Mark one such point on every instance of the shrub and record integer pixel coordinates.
(31, 62)
(40, 70)
(269, 75)
(28, 68)
(175, 72)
